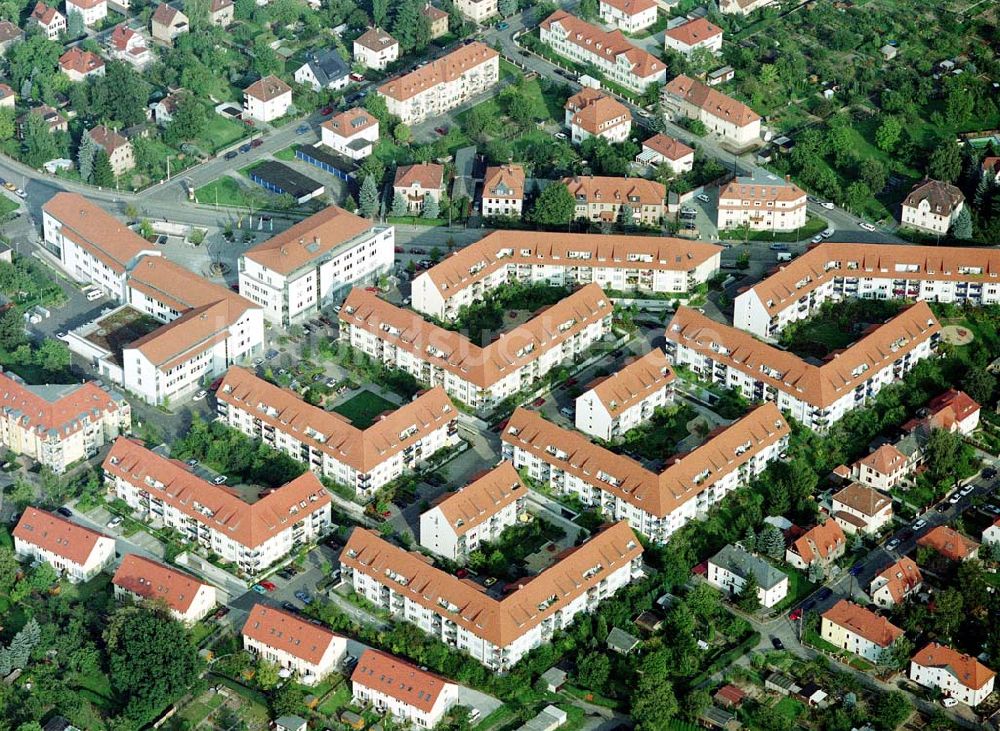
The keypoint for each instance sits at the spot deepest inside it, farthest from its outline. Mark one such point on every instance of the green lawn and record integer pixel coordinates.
(198, 710)
(287, 154)
(221, 132)
(362, 408)
(798, 588)
(337, 701)
(417, 221)
(7, 206)
(224, 192)
(789, 708)
(813, 226)
(658, 438)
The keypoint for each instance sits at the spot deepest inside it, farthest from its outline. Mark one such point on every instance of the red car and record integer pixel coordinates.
(257, 142)
(538, 401)
(795, 614)
(461, 573)
(269, 585)
(372, 289)
(441, 130)
(215, 384)
(326, 111)
(386, 513)
(399, 250)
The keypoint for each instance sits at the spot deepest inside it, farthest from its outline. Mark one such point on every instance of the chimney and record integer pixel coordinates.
(788, 178)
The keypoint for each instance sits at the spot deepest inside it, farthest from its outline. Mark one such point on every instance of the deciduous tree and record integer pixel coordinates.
(554, 207)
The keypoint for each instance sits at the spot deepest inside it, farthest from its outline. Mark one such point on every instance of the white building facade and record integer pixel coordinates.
(626, 399)
(310, 651)
(73, 551)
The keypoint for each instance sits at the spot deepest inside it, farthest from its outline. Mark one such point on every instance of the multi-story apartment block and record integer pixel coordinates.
(352, 133)
(479, 377)
(496, 632)
(91, 12)
(418, 182)
(742, 7)
(267, 99)
(396, 688)
(816, 395)
(503, 191)
(600, 198)
(895, 583)
(76, 552)
(364, 459)
(167, 494)
(477, 10)
(610, 52)
(851, 627)
(822, 544)
(832, 272)
(663, 150)
(208, 328)
(955, 675)
(861, 509)
(627, 398)
(622, 263)
(730, 568)
(732, 120)
(310, 651)
(688, 37)
(375, 49)
(655, 505)
(314, 263)
(59, 425)
(949, 543)
(432, 90)
(932, 207)
(119, 150)
(140, 579)
(591, 113)
(763, 203)
(630, 16)
(460, 522)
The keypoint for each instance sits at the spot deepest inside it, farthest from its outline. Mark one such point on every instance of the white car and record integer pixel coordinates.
(968, 489)
(891, 545)
(828, 205)
(560, 135)
(200, 395)
(704, 198)
(949, 702)
(643, 113)
(816, 239)
(919, 524)
(867, 226)
(955, 498)
(114, 522)
(827, 234)
(220, 480)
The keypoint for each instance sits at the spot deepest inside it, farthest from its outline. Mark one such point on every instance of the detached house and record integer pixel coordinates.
(9, 35)
(119, 150)
(732, 120)
(375, 49)
(729, 568)
(853, 628)
(267, 99)
(353, 133)
(932, 206)
(955, 675)
(822, 544)
(503, 191)
(128, 46)
(396, 688)
(630, 16)
(187, 598)
(50, 20)
(604, 199)
(954, 411)
(326, 70)
(79, 65)
(438, 20)
(167, 23)
(477, 11)
(92, 11)
(310, 651)
(221, 12)
(663, 150)
(8, 98)
(697, 33)
(883, 469)
(949, 543)
(861, 509)
(78, 552)
(895, 583)
(416, 182)
(591, 113)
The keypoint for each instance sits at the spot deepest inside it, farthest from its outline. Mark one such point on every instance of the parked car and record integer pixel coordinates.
(192, 462)
(867, 226)
(892, 545)
(325, 111)
(538, 401)
(302, 129)
(567, 412)
(231, 155)
(795, 614)
(220, 480)
(64, 511)
(399, 250)
(816, 239)
(989, 473)
(827, 233)
(967, 490)
(441, 130)
(704, 198)
(777, 644)
(955, 498)
(560, 135)
(20, 193)
(289, 607)
(200, 395)
(259, 589)
(245, 148)
(114, 522)
(256, 142)
(304, 597)
(503, 25)
(269, 585)
(920, 523)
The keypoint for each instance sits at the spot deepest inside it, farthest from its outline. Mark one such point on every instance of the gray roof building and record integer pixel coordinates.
(737, 561)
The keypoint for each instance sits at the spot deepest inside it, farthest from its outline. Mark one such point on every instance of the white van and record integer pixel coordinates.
(95, 294)
(784, 256)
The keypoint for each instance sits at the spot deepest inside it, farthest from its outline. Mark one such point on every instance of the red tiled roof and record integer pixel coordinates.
(711, 101)
(668, 147)
(901, 578)
(151, 580)
(83, 62)
(609, 44)
(268, 88)
(427, 175)
(694, 31)
(57, 535)
(286, 632)
(863, 622)
(397, 679)
(949, 543)
(819, 542)
(448, 68)
(967, 670)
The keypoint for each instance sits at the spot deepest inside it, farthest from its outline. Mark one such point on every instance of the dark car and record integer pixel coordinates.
(989, 473)
(244, 148)
(65, 512)
(777, 643)
(441, 130)
(231, 154)
(825, 593)
(289, 607)
(256, 142)
(326, 111)
(302, 129)
(303, 597)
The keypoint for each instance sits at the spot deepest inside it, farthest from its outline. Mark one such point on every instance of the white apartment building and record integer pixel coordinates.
(660, 265)
(895, 583)
(503, 191)
(140, 579)
(816, 395)
(75, 552)
(655, 505)
(375, 49)
(630, 16)
(432, 90)
(832, 272)
(688, 37)
(762, 202)
(932, 207)
(495, 632)
(729, 568)
(477, 376)
(616, 58)
(460, 522)
(591, 113)
(93, 246)
(59, 425)
(409, 694)
(732, 120)
(267, 99)
(353, 133)
(309, 650)
(208, 328)
(166, 494)
(861, 509)
(477, 11)
(851, 627)
(363, 459)
(627, 398)
(313, 264)
(91, 12)
(955, 675)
